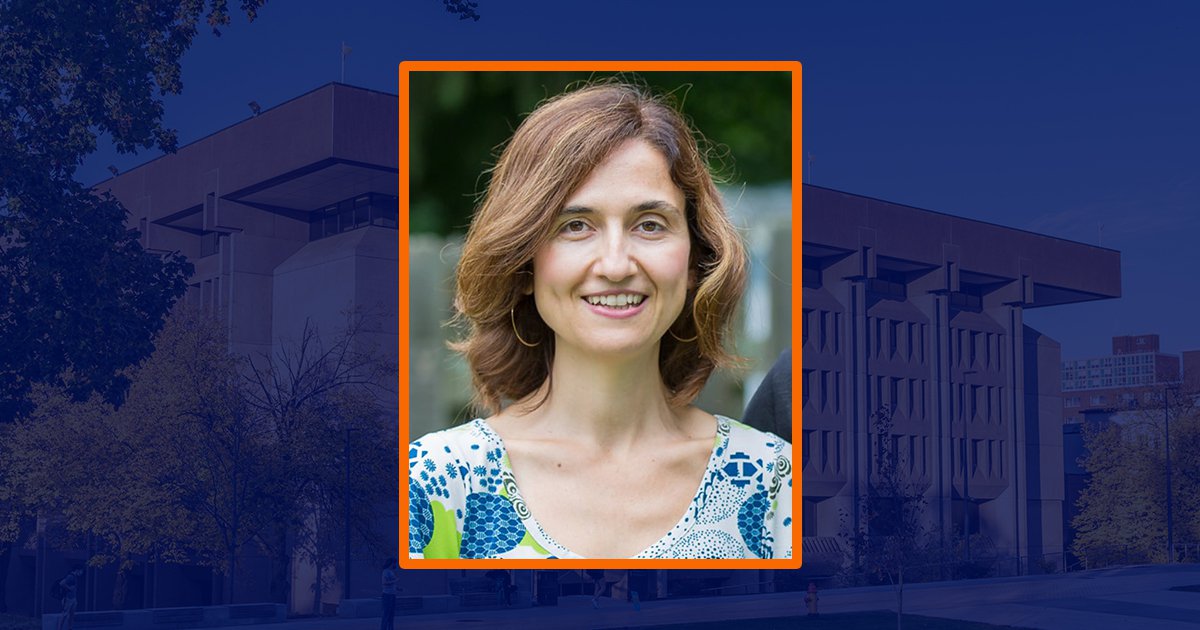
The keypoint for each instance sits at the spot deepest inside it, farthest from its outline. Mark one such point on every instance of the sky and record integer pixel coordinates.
(1077, 120)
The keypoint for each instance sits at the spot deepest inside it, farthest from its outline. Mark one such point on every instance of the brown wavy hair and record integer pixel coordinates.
(550, 155)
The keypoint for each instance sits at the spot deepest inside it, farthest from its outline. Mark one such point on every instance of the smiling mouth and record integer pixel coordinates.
(618, 301)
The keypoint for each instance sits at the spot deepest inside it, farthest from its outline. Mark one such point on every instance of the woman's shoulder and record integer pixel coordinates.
(470, 441)
(743, 438)
(452, 463)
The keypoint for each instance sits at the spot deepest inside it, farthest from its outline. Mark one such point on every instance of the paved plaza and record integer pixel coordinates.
(1119, 598)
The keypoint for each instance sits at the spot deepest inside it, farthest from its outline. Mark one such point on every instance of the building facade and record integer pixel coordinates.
(290, 219)
(921, 314)
(1128, 378)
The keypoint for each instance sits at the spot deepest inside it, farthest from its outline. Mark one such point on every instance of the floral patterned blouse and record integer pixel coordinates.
(465, 503)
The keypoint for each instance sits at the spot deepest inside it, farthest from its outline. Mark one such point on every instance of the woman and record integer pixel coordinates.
(599, 278)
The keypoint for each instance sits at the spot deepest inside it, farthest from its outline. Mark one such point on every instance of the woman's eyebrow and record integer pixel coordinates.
(645, 206)
(657, 204)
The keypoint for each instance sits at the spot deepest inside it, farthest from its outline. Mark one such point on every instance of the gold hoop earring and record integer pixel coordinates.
(688, 340)
(512, 316)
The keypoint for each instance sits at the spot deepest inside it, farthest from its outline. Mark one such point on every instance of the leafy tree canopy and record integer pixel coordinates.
(212, 454)
(79, 298)
(1121, 514)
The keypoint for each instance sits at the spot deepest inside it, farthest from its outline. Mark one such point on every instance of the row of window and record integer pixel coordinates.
(351, 214)
(894, 339)
(907, 454)
(976, 349)
(1126, 399)
(1070, 373)
(984, 456)
(1103, 362)
(827, 446)
(907, 396)
(827, 324)
(826, 385)
(978, 403)
(1093, 383)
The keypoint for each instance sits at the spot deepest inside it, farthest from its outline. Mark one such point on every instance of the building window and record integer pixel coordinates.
(966, 302)
(889, 285)
(351, 214)
(210, 243)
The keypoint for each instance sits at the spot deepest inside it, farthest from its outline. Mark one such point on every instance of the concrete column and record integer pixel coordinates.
(943, 436)
(859, 414)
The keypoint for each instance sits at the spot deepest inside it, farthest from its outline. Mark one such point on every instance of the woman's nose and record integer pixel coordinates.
(616, 262)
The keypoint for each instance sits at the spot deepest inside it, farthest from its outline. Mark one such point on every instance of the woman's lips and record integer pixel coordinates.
(617, 312)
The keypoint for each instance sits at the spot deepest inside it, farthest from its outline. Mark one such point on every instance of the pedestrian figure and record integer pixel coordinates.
(502, 579)
(811, 599)
(389, 579)
(597, 576)
(69, 587)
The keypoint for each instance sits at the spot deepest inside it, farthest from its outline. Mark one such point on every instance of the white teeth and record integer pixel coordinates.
(617, 301)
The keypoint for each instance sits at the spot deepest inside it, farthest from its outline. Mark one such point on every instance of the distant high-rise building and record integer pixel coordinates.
(1128, 378)
(1191, 370)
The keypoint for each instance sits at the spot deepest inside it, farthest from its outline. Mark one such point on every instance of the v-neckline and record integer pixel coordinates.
(681, 528)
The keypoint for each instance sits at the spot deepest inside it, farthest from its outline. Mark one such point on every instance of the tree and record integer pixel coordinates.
(215, 455)
(1122, 511)
(249, 447)
(318, 393)
(894, 540)
(85, 469)
(79, 298)
(212, 454)
(173, 473)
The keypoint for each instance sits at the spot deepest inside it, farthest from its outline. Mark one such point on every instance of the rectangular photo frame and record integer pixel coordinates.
(413, 414)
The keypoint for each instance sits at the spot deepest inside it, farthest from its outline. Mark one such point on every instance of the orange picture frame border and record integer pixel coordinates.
(407, 67)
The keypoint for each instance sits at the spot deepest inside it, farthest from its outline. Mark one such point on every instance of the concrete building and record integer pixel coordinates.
(289, 218)
(923, 313)
(1132, 376)
(1191, 370)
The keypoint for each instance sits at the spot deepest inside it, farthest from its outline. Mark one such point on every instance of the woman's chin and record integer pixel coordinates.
(622, 347)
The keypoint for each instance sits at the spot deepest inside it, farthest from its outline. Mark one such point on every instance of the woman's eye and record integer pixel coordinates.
(574, 227)
(651, 226)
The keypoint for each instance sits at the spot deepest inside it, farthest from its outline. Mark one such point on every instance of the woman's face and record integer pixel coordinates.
(614, 276)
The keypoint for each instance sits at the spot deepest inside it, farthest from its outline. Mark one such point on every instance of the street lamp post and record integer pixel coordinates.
(1167, 445)
(346, 582)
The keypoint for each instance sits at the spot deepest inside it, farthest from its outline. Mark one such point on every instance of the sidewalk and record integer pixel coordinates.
(1120, 598)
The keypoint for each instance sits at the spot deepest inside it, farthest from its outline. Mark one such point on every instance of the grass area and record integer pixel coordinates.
(872, 620)
(13, 622)
(1190, 588)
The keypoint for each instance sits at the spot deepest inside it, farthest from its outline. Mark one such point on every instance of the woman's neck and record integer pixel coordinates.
(611, 405)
